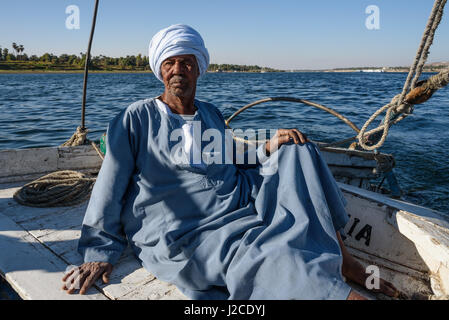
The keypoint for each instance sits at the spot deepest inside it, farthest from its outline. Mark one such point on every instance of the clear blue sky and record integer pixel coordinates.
(286, 34)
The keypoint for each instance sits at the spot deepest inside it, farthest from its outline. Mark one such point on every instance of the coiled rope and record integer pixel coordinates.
(58, 189)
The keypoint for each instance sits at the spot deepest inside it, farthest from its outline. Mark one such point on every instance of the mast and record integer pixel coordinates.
(86, 67)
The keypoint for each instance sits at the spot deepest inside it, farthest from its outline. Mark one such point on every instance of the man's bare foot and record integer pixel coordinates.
(354, 271)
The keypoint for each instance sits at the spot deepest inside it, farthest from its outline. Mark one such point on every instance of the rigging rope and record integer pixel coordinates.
(290, 99)
(399, 104)
(79, 137)
(64, 188)
(418, 95)
(402, 104)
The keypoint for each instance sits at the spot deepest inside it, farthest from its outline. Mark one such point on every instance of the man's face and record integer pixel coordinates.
(180, 74)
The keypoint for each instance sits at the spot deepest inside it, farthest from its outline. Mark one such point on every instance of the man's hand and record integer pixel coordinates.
(84, 276)
(283, 136)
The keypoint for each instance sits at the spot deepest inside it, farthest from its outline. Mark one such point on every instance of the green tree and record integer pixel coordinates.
(45, 57)
(15, 47)
(140, 61)
(82, 61)
(5, 53)
(73, 60)
(131, 60)
(54, 59)
(64, 58)
(20, 49)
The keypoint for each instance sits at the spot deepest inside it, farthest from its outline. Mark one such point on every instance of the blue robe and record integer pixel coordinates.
(222, 232)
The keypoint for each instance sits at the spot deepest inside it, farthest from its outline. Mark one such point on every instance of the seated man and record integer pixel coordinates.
(215, 230)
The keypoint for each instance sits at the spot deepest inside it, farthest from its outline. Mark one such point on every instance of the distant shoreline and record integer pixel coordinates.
(73, 64)
(68, 71)
(149, 72)
(81, 71)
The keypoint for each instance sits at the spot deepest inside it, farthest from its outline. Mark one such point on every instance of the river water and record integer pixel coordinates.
(39, 110)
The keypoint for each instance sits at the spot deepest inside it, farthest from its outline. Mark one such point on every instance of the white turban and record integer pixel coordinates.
(177, 40)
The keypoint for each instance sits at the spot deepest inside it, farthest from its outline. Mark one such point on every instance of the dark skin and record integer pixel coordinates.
(86, 276)
(180, 74)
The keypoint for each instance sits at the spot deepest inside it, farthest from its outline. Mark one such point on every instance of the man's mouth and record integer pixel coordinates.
(178, 84)
(177, 79)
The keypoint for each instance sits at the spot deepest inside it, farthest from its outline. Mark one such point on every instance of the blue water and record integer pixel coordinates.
(40, 110)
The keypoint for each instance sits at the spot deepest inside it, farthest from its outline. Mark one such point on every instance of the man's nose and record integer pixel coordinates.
(178, 68)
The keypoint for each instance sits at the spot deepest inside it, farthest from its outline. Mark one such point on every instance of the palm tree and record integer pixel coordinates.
(21, 49)
(15, 47)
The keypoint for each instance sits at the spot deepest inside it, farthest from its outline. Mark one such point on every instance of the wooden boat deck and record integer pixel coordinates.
(38, 244)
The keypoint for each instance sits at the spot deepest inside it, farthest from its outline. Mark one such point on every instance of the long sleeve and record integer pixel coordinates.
(102, 237)
(243, 156)
(251, 157)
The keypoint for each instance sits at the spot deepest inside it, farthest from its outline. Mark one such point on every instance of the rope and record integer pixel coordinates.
(399, 104)
(429, 34)
(306, 102)
(57, 189)
(79, 138)
(417, 96)
(64, 188)
(60, 188)
(86, 66)
(100, 154)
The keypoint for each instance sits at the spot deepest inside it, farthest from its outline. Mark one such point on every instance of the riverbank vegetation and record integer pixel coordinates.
(48, 62)
(65, 62)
